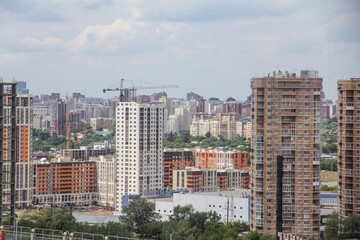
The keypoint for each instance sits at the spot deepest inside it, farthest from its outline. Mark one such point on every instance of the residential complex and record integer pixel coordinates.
(71, 182)
(139, 149)
(106, 180)
(349, 147)
(207, 179)
(83, 154)
(286, 112)
(219, 159)
(176, 159)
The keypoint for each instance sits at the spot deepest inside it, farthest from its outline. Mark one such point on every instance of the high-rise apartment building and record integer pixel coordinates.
(286, 112)
(349, 147)
(23, 143)
(58, 121)
(139, 149)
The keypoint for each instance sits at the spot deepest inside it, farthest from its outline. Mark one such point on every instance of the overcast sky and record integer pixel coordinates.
(210, 47)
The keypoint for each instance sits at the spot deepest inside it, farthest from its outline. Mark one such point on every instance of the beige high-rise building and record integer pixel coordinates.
(349, 147)
(286, 123)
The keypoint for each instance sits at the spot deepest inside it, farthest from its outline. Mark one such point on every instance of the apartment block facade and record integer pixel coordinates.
(176, 159)
(219, 159)
(286, 115)
(70, 182)
(349, 147)
(207, 179)
(106, 180)
(139, 149)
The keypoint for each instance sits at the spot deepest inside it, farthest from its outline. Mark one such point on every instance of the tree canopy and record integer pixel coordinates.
(139, 215)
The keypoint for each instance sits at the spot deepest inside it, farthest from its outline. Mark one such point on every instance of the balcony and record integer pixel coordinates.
(287, 167)
(317, 92)
(288, 132)
(259, 222)
(349, 120)
(259, 188)
(259, 160)
(316, 162)
(349, 173)
(316, 210)
(259, 174)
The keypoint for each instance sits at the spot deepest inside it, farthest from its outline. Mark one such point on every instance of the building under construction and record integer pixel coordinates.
(16, 169)
(7, 151)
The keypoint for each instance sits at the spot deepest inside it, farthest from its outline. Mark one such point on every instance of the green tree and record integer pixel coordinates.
(351, 227)
(181, 213)
(208, 135)
(171, 137)
(139, 215)
(253, 236)
(185, 137)
(333, 226)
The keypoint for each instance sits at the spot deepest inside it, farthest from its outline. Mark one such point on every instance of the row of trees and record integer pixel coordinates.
(43, 141)
(140, 218)
(328, 164)
(185, 140)
(62, 220)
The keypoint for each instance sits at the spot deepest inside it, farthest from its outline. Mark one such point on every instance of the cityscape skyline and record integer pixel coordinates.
(56, 45)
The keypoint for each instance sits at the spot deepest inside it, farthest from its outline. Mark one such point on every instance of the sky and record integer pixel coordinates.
(211, 47)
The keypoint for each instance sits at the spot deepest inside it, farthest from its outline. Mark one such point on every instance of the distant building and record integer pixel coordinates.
(77, 95)
(156, 96)
(202, 106)
(83, 154)
(58, 118)
(207, 179)
(194, 96)
(97, 123)
(21, 87)
(54, 96)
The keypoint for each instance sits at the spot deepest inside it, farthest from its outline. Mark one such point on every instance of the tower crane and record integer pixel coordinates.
(130, 93)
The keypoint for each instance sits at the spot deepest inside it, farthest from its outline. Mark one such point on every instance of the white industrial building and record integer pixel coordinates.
(231, 205)
(139, 149)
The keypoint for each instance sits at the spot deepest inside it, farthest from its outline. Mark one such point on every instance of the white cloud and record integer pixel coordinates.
(47, 43)
(106, 35)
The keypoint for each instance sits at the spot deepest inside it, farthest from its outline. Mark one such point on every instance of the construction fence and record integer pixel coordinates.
(25, 233)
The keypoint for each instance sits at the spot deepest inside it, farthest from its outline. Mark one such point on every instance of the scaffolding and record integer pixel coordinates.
(8, 154)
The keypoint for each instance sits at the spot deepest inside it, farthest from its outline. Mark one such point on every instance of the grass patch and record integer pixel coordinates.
(329, 176)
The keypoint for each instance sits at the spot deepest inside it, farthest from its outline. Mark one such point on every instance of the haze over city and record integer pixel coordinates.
(213, 48)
